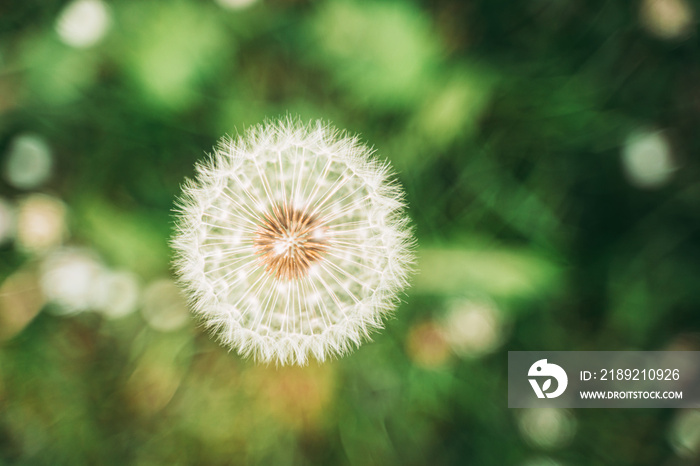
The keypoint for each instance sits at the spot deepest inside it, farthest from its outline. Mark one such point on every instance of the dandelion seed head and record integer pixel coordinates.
(292, 242)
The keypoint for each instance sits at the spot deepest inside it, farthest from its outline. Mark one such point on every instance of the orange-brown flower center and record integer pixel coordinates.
(288, 241)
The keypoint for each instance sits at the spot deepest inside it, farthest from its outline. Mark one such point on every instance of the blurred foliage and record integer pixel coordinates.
(540, 225)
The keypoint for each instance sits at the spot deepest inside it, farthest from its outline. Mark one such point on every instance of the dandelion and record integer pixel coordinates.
(292, 242)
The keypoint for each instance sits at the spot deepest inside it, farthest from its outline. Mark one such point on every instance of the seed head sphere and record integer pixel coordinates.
(292, 242)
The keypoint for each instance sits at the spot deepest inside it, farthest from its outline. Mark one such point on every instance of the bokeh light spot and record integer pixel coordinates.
(667, 19)
(28, 162)
(117, 293)
(647, 159)
(547, 427)
(21, 300)
(83, 23)
(69, 278)
(685, 433)
(474, 328)
(40, 223)
(427, 346)
(164, 306)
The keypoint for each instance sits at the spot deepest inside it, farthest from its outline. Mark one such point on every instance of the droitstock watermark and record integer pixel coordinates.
(604, 379)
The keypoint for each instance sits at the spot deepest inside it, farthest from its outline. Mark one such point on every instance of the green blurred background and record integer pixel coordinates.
(549, 153)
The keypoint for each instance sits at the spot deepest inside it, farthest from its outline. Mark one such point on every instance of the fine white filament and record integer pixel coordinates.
(292, 242)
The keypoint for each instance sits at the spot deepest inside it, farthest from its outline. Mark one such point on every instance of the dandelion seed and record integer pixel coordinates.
(292, 242)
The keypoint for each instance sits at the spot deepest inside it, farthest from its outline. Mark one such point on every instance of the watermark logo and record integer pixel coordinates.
(543, 369)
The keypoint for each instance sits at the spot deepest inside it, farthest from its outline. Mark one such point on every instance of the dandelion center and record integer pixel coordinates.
(288, 241)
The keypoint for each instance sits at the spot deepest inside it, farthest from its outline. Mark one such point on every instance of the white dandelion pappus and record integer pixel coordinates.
(292, 242)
